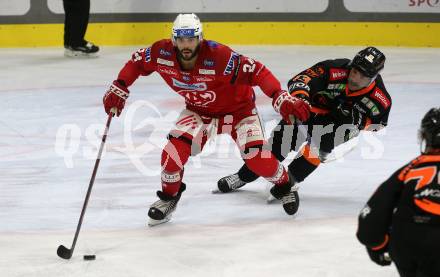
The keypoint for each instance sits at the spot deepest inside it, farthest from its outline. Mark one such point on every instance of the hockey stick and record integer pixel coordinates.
(62, 251)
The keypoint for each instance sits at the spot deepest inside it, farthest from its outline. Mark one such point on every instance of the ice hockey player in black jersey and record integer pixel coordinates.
(346, 96)
(401, 221)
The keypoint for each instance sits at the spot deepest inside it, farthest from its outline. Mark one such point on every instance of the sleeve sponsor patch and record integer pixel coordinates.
(148, 54)
(380, 97)
(231, 63)
(371, 106)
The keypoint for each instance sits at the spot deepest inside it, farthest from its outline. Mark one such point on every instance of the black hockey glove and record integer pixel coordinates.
(380, 256)
(348, 115)
(358, 118)
(342, 113)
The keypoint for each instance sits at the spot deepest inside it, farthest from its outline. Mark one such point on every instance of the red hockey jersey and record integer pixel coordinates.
(220, 83)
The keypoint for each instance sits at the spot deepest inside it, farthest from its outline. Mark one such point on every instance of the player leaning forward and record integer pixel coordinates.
(216, 83)
(346, 96)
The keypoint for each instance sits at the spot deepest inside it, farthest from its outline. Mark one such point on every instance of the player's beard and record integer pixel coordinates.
(352, 86)
(193, 53)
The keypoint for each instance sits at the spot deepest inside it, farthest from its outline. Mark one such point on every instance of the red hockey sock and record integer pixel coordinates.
(266, 165)
(174, 157)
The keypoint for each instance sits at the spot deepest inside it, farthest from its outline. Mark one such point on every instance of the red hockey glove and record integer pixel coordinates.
(115, 97)
(290, 107)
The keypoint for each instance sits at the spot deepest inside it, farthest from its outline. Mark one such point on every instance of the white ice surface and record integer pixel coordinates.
(41, 192)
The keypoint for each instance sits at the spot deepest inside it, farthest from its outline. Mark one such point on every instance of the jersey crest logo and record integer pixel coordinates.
(231, 63)
(381, 98)
(196, 86)
(197, 98)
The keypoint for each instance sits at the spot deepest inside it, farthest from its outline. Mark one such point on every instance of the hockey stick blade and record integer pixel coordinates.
(64, 252)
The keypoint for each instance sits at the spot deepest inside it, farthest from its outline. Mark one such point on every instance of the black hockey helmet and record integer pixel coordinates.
(369, 61)
(429, 131)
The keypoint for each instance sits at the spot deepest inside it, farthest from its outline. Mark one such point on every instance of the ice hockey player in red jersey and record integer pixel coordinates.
(401, 220)
(216, 83)
(347, 96)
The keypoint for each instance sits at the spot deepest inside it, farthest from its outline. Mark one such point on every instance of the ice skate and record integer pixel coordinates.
(229, 183)
(161, 210)
(288, 195)
(87, 50)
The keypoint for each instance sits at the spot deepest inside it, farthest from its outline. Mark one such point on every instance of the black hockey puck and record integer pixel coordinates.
(89, 257)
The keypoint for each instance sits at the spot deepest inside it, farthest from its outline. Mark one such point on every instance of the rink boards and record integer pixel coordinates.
(414, 23)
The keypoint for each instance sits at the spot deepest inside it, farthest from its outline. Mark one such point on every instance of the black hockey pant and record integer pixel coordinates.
(76, 20)
(321, 135)
(414, 249)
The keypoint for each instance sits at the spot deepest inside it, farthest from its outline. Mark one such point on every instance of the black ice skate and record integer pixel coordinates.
(288, 194)
(229, 183)
(161, 210)
(86, 50)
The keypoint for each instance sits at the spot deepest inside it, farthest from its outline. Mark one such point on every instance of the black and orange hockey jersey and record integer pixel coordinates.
(411, 195)
(324, 85)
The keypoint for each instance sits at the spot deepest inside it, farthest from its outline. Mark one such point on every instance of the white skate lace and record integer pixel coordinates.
(290, 197)
(166, 207)
(234, 181)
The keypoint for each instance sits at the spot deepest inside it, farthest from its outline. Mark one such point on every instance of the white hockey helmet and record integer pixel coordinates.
(187, 25)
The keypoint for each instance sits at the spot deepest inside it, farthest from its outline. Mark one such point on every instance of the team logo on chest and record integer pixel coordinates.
(198, 98)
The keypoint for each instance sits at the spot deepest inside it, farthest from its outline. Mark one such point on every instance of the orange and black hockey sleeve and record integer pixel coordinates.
(301, 85)
(375, 218)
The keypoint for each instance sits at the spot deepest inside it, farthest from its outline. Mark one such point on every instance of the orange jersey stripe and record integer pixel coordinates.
(310, 156)
(382, 245)
(419, 160)
(303, 92)
(359, 92)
